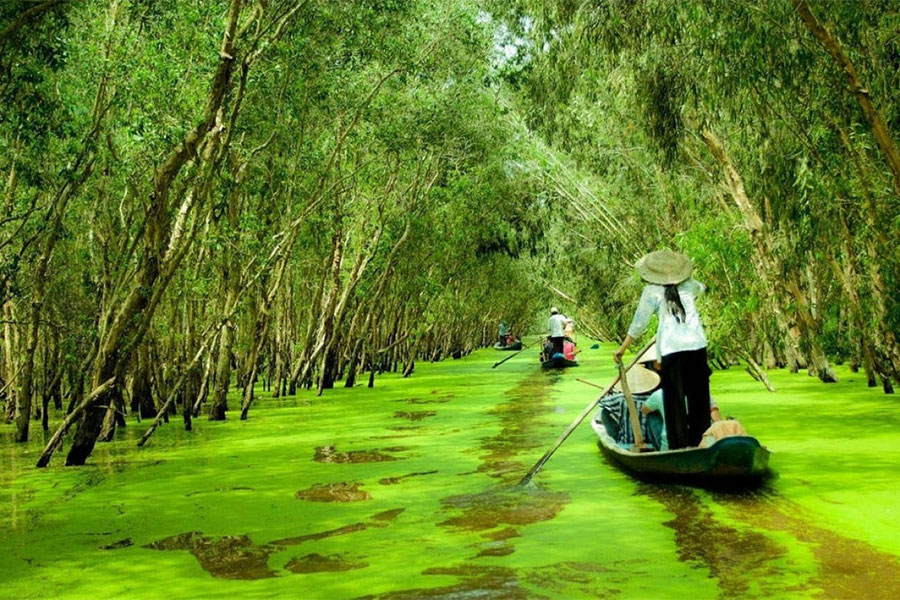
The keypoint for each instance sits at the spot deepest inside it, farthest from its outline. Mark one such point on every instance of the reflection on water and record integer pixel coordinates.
(745, 558)
(738, 559)
(474, 582)
(228, 557)
(496, 550)
(503, 506)
(440, 400)
(522, 430)
(329, 454)
(847, 568)
(237, 557)
(316, 563)
(414, 415)
(400, 478)
(124, 543)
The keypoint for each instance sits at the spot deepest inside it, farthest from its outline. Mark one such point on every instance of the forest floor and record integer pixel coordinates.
(406, 490)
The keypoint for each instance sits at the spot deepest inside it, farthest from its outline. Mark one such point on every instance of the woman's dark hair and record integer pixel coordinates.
(673, 303)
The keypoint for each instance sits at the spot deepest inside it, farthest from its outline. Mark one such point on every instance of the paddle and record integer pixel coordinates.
(587, 410)
(524, 348)
(639, 445)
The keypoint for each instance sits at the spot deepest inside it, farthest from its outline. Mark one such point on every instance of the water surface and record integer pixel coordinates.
(408, 491)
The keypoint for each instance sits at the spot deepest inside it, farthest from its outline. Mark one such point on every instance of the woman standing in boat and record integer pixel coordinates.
(670, 294)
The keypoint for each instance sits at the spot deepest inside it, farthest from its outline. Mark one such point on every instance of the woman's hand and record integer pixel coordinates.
(618, 354)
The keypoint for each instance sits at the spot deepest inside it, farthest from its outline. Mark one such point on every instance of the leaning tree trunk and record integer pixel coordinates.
(830, 43)
(133, 318)
(141, 389)
(219, 402)
(768, 266)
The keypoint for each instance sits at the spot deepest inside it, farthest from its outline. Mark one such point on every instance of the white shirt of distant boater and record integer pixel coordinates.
(557, 325)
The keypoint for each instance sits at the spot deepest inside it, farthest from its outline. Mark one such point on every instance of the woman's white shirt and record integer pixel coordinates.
(671, 335)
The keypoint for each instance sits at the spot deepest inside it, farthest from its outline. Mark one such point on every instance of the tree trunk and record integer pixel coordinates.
(860, 91)
(10, 346)
(768, 266)
(223, 376)
(141, 389)
(352, 365)
(133, 317)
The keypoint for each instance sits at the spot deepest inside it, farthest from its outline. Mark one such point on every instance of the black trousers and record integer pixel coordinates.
(685, 384)
(557, 344)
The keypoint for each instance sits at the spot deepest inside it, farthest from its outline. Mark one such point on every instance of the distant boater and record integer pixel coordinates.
(670, 294)
(557, 326)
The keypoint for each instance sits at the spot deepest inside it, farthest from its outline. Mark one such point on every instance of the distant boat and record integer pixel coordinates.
(558, 361)
(516, 345)
(731, 460)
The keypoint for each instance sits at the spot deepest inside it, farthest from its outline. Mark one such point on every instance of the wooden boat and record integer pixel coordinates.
(516, 345)
(731, 460)
(558, 361)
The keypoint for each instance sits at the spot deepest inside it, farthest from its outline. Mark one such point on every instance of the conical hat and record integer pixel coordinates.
(664, 267)
(640, 380)
(650, 355)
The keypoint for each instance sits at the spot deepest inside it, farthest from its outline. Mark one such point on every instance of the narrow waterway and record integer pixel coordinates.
(408, 490)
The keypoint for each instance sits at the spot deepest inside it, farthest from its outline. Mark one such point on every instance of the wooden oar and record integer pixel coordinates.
(587, 410)
(524, 348)
(639, 445)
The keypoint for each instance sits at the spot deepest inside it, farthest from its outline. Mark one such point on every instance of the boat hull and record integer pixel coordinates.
(735, 459)
(514, 346)
(559, 362)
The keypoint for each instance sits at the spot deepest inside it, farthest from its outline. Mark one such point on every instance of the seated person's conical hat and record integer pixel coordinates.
(650, 356)
(640, 380)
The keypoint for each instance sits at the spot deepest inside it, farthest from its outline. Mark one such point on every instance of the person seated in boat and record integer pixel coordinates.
(557, 326)
(569, 340)
(546, 350)
(653, 409)
(655, 413)
(721, 428)
(614, 408)
(503, 333)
